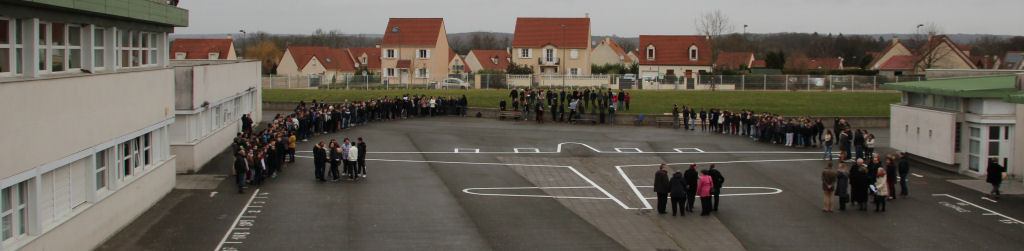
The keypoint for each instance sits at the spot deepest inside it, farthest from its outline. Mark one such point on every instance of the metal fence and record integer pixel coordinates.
(508, 81)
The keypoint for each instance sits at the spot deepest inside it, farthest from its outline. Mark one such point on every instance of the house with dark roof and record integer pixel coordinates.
(674, 55)
(488, 60)
(1014, 60)
(553, 46)
(739, 60)
(415, 51)
(203, 48)
(608, 52)
(939, 52)
(316, 60)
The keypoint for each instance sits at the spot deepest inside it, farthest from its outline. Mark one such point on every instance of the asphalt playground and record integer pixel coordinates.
(452, 183)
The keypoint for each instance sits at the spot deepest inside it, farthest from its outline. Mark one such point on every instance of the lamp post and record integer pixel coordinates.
(562, 63)
(395, 30)
(243, 43)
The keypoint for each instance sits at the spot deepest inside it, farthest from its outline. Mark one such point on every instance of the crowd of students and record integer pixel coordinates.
(685, 186)
(601, 103)
(264, 154)
(859, 182)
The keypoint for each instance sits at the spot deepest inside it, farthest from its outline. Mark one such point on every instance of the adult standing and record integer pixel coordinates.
(675, 116)
(241, 167)
(690, 176)
(859, 181)
(346, 147)
(995, 176)
(704, 186)
(611, 114)
(881, 190)
(890, 171)
(361, 161)
(828, 145)
(718, 180)
(335, 154)
(627, 101)
(904, 170)
(843, 186)
(291, 146)
(661, 187)
(319, 160)
(353, 155)
(677, 188)
(246, 123)
(829, 178)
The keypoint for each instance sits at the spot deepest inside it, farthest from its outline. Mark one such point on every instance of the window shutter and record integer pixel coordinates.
(428, 53)
(529, 53)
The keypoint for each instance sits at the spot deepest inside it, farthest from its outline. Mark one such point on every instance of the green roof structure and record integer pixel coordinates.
(979, 87)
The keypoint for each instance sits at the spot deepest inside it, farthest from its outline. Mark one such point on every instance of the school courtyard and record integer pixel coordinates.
(450, 183)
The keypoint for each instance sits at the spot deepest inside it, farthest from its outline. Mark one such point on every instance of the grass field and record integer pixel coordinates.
(655, 102)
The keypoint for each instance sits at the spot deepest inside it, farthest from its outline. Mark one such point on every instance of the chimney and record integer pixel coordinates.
(377, 46)
(229, 36)
(586, 15)
(895, 40)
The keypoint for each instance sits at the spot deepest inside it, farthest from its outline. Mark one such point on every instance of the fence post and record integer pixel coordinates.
(721, 80)
(288, 82)
(808, 82)
(765, 82)
(743, 82)
(786, 81)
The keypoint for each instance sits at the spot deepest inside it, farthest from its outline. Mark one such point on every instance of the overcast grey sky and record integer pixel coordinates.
(609, 17)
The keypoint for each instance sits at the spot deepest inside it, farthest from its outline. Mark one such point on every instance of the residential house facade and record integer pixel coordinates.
(553, 46)
(734, 61)
(608, 52)
(456, 63)
(939, 52)
(367, 58)
(91, 96)
(674, 55)
(1013, 60)
(494, 60)
(415, 51)
(203, 48)
(316, 61)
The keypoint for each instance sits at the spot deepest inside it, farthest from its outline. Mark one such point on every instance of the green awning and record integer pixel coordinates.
(980, 87)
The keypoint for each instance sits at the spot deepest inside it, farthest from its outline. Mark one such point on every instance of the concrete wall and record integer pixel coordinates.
(192, 156)
(923, 132)
(54, 117)
(217, 81)
(964, 73)
(103, 219)
(1018, 142)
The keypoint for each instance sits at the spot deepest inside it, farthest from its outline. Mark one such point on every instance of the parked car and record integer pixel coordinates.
(453, 83)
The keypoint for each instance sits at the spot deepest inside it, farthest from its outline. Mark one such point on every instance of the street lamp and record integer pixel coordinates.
(562, 63)
(395, 30)
(243, 43)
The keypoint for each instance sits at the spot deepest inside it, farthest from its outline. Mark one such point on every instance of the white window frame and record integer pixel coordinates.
(67, 42)
(422, 73)
(99, 48)
(525, 53)
(651, 52)
(423, 54)
(213, 56)
(390, 53)
(574, 53)
(18, 211)
(13, 46)
(574, 71)
(180, 55)
(550, 55)
(692, 53)
(391, 72)
(100, 167)
(362, 60)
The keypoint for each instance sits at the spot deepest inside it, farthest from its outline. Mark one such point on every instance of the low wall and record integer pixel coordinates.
(623, 118)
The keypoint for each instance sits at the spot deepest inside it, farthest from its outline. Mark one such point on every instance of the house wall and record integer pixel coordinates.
(473, 63)
(101, 107)
(945, 57)
(456, 61)
(232, 55)
(898, 50)
(287, 66)
(582, 62)
(1018, 145)
(437, 63)
(603, 54)
(679, 70)
(923, 132)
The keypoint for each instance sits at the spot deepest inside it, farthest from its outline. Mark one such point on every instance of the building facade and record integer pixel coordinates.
(210, 99)
(674, 55)
(494, 60)
(553, 46)
(203, 48)
(608, 52)
(93, 96)
(414, 51)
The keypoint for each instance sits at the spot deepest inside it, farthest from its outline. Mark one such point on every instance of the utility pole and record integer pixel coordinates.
(563, 56)
(243, 43)
(395, 30)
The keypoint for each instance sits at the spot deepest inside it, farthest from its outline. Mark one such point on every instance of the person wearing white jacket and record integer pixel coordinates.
(353, 155)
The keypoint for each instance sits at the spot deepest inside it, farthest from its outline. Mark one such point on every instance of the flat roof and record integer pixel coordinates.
(1015, 98)
(978, 87)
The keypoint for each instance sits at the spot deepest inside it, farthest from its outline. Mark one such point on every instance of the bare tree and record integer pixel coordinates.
(934, 48)
(713, 24)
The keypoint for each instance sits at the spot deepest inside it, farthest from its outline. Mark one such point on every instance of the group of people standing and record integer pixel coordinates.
(351, 155)
(263, 154)
(684, 187)
(321, 118)
(600, 103)
(856, 183)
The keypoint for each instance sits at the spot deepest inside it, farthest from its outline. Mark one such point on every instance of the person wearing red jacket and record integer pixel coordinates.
(704, 186)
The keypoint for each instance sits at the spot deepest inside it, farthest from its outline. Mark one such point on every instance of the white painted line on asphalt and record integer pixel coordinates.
(558, 149)
(917, 175)
(470, 191)
(526, 150)
(726, 162)
(635, 190)
(772, 189)
(599, 188)
(1007, 219)
(235, 223)
(467, 150)
(989, 199)
(635, 150)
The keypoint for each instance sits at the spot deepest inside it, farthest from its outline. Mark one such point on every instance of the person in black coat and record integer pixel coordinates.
(677, 188)
(361, 159)
(335, 158)
(241, 167)
(661, 187)
(904, 170)
(319, 160)
(718, 180)
(860, 179)
(995, 176)
(690, 176)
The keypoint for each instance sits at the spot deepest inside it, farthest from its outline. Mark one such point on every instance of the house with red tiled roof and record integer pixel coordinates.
(203, 48)
(758, 64)
(316, 60)
(366, 57)
(456, 63)
(676, 55)
(734, 61)
(497, 60)
(986, 62)
(415, 51)
(939, 52)
(553, 46)
(634, 55)
(825, 63)
(608, 52)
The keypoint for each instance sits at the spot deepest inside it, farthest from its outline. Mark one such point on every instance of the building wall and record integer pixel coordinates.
(944, 56)
(1018, 145)
(472, 63)
(678, 70)
(287, 66)
(603, 54)
(456, 61)
(437, 64)
(923, 132)
(582, 62)
(99, 221)
(101, 107)
(898, 50)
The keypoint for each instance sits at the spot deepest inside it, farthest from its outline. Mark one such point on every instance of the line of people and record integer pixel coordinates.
(263, 154)
(862, 181)
(350, 155)
(320, 118)
(601, 103)
(685, 186)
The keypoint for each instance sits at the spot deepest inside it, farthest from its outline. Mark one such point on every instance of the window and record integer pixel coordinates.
(574, 54)
(956, 139)
(423, 54)
(362, 60)
(915, 98)
(100, 171)
(549, 55)
(98, 44)
(974, 150)
(993, 132)
(494, 60)
(693, 53)
(650, 52)
(422, 73)
(391, 72)
(574, 71)
(136, 49)
(525, 53)
(179, 55)
(215, 56)
(12, 211)
(135, 154)
(390, 53)
(10, 47)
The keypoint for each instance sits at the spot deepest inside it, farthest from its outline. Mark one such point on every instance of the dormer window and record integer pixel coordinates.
(693, 53)
(650, 52)
(179, 55)
(328, 60)
(214, 55)
(362, 60)
(494, 60)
